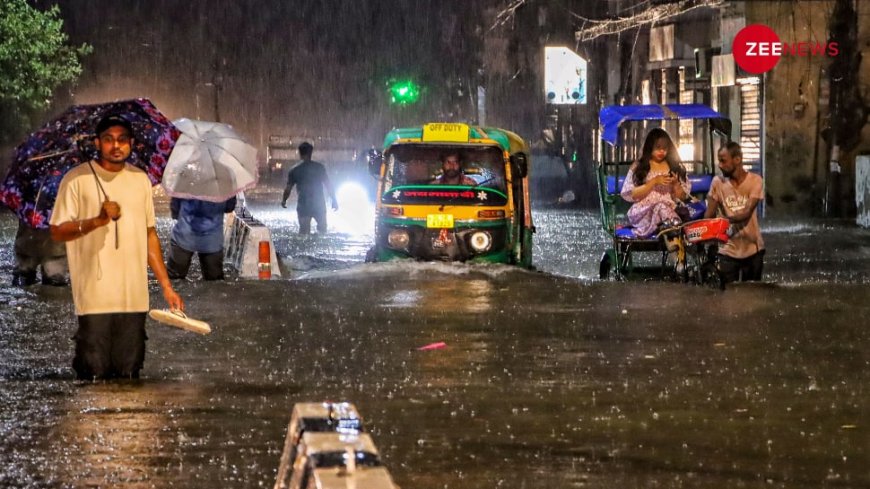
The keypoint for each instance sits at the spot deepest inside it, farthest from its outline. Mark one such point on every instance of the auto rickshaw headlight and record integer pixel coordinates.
(398, 239)
(480, 241)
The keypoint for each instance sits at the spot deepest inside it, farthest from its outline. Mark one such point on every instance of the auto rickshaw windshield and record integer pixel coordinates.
(411, 164)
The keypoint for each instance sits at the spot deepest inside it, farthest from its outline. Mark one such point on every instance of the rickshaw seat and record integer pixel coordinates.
(627, 232)
(700, 183)
(697, 209)
(417, 172)
(614, 185)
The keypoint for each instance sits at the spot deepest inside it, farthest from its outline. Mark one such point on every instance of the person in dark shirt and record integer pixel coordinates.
(310, 178)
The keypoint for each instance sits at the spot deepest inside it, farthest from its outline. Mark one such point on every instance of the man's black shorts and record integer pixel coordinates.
(742, 269)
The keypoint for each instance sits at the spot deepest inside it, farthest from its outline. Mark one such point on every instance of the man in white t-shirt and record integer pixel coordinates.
(105, 214)
(735, 195)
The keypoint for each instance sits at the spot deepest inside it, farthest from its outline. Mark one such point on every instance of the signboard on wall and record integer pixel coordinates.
(723, 72)
(661, 43)
(565, 75)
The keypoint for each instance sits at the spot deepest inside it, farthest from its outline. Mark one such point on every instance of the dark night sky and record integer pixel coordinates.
(282, 66)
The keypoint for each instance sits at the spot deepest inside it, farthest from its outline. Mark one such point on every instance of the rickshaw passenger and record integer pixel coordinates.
(653, 183)
(452, 171)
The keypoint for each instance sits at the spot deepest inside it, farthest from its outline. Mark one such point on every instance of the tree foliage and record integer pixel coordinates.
(35, 59)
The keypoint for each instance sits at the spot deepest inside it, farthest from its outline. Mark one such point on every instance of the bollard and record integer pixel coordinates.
(264, 263)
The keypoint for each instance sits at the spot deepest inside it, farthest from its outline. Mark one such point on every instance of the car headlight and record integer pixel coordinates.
(398, 239)
(480, 241)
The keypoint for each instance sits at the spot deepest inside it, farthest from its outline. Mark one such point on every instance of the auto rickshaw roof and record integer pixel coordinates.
(502, 137)
(612, 117)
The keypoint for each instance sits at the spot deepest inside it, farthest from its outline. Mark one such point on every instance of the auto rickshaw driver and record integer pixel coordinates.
(452, 171)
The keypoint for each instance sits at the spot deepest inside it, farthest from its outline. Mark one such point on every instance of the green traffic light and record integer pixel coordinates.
(404, 92)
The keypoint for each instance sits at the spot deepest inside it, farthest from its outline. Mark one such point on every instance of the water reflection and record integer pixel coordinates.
(546, 380)
(457, 295)
(116, 433)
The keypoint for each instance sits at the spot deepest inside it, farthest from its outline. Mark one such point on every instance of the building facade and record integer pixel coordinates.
(788, 120)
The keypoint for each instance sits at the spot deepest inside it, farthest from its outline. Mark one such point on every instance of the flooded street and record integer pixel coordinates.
(550, 378)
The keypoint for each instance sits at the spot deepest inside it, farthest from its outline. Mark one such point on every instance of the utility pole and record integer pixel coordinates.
(848, 109)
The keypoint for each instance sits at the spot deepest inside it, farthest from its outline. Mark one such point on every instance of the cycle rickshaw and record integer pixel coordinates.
(698, 131)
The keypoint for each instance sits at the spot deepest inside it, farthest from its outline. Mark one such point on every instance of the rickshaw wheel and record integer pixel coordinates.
(711, 276)
(626, 263)
(709, 272)
(605, 266)
(672, 270)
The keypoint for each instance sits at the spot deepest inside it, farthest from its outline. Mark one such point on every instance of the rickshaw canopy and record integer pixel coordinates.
(612, 117)
(451, 133)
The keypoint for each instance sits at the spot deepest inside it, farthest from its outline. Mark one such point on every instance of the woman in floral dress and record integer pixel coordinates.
(653, 182)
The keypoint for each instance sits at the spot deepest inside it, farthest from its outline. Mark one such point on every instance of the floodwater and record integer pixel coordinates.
(550, 378)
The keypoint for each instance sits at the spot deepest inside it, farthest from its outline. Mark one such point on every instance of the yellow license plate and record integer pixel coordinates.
(439, 220)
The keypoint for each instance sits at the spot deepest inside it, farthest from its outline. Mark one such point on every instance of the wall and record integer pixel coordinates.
(796, 109)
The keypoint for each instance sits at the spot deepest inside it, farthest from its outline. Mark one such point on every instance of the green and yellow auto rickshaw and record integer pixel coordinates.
(485, 218)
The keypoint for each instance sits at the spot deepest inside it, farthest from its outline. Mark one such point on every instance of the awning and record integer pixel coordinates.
(611, 117)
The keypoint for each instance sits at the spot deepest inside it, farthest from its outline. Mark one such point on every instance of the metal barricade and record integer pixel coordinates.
(248, 242)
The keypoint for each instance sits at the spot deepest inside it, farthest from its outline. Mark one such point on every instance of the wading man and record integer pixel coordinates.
(310, 176)
(105, 214)
(735, 195)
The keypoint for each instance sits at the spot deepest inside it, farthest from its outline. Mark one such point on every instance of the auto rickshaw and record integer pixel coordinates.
(621, 145)
(488, 218)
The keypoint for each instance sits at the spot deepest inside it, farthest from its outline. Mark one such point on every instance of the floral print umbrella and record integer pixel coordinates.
(41, 161)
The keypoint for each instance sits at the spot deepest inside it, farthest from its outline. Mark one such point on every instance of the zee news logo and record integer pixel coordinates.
(757, 48)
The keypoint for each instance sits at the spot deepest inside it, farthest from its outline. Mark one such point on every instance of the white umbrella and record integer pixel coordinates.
(210, 161)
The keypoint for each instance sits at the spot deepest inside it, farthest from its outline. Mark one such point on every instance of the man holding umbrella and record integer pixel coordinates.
(110, 243)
